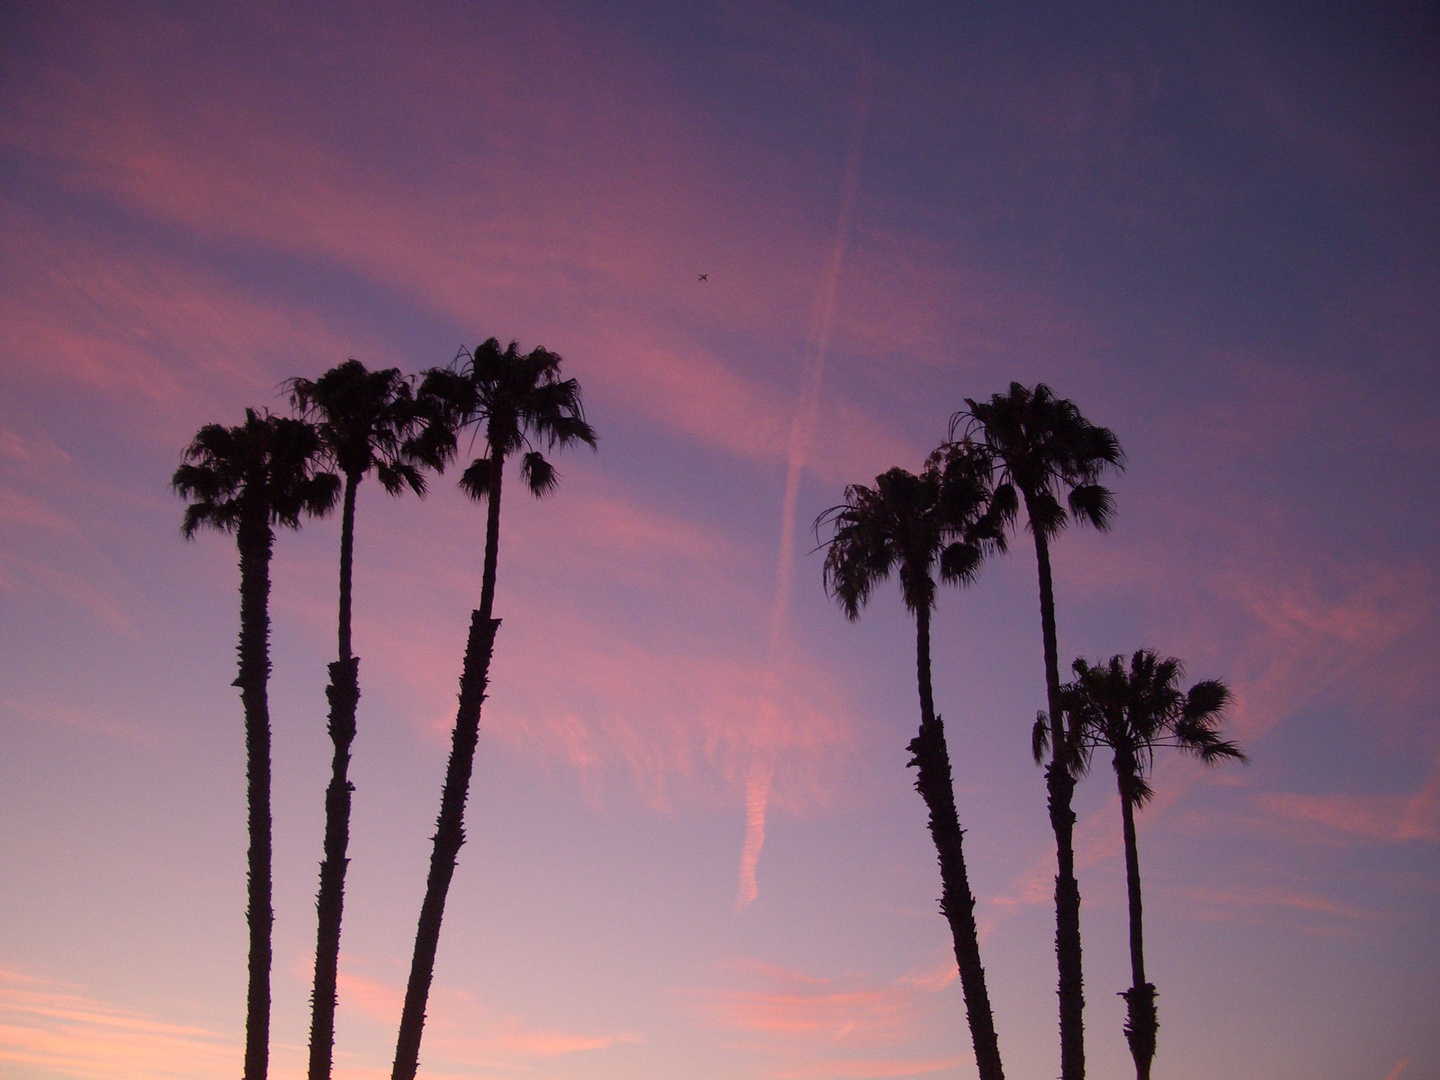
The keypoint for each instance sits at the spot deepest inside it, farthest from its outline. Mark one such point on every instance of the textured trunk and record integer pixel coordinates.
(450, 825)
(255, 540)
(1141, 1021)
(344, 695)
(1060, 786)
(933, 781)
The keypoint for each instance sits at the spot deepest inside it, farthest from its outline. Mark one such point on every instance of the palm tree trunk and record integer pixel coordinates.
(1141, 1022)
(344, 696)
(255, 541)
(450, 825)
(1060, 785)
(933, 781)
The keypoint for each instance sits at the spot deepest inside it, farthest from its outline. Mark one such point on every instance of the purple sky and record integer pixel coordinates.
(693, 845)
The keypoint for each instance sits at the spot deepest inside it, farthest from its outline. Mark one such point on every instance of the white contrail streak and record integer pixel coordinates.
(802, 432)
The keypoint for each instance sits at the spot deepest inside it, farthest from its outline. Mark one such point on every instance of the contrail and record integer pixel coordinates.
(802, 432)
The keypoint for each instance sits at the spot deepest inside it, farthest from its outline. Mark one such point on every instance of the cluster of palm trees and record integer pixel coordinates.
(271, 471)
(1024, 449)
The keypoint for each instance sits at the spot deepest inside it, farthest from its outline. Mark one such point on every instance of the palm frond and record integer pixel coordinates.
(478, 480)
(1040, 736)
(540, 476)
(1092, 504)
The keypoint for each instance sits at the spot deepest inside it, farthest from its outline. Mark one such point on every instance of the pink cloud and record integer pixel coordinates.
(871, 1067)
(793, 1010)
(1384, 818)
(233, 170)
(52, 712)
(168, 346)
(462, 1032)
(1254, 903)
(56, 1027)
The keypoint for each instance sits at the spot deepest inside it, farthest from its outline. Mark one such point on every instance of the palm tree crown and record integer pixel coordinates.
(941, 519)
(1042, 444)
(265, 467)
(519, 400)
(365, 420)
(1134, 712)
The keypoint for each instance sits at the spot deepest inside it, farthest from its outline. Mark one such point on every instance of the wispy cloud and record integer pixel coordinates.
(804, 1025)
(462, 1032)
(1312, 910)
(1378, 818)
(59, 1029)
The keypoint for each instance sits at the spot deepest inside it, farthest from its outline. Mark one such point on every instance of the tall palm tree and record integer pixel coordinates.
(246, 480)
(1044, 447)
(365, 420)
(913, 525)
(1134, 713)
(520, 401)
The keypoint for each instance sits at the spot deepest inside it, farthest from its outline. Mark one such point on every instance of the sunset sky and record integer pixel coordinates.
(694, 849)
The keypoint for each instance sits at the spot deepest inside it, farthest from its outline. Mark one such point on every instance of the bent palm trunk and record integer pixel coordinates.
(933, 781)
(449, 836)
(1142, 1024)
(1060, 787)
(343, 693)
(255, 540)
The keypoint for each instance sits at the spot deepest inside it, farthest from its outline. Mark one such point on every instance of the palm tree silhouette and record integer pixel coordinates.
(912, 525)
(365, 420)
(1134, 713)
(246, 480)
(1041, 446)
(520, 401)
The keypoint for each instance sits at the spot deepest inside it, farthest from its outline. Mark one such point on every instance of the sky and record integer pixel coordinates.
(693, 845)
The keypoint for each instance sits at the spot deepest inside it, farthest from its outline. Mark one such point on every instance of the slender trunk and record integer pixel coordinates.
(255, 541)
(450, 825)
(492, 535)
(1060, 786)
(933, 781)
(347, 560)
(344, 695)
(1141, 1021)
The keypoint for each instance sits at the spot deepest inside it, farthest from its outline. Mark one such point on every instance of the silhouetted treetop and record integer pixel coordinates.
(265, 465)
(367, 421)
(1041, 445)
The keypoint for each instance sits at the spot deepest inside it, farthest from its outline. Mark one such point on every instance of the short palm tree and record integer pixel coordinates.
(246, 480)
(913, 526)
(1043, 447)
(520, 401)
(365, 420)
(1135, 712)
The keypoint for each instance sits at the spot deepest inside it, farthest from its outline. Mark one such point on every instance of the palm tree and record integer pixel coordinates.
(520, 401)
(913, 525)
(1134, 713)
(365, 420)
(246, 480)
(1042, 446)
